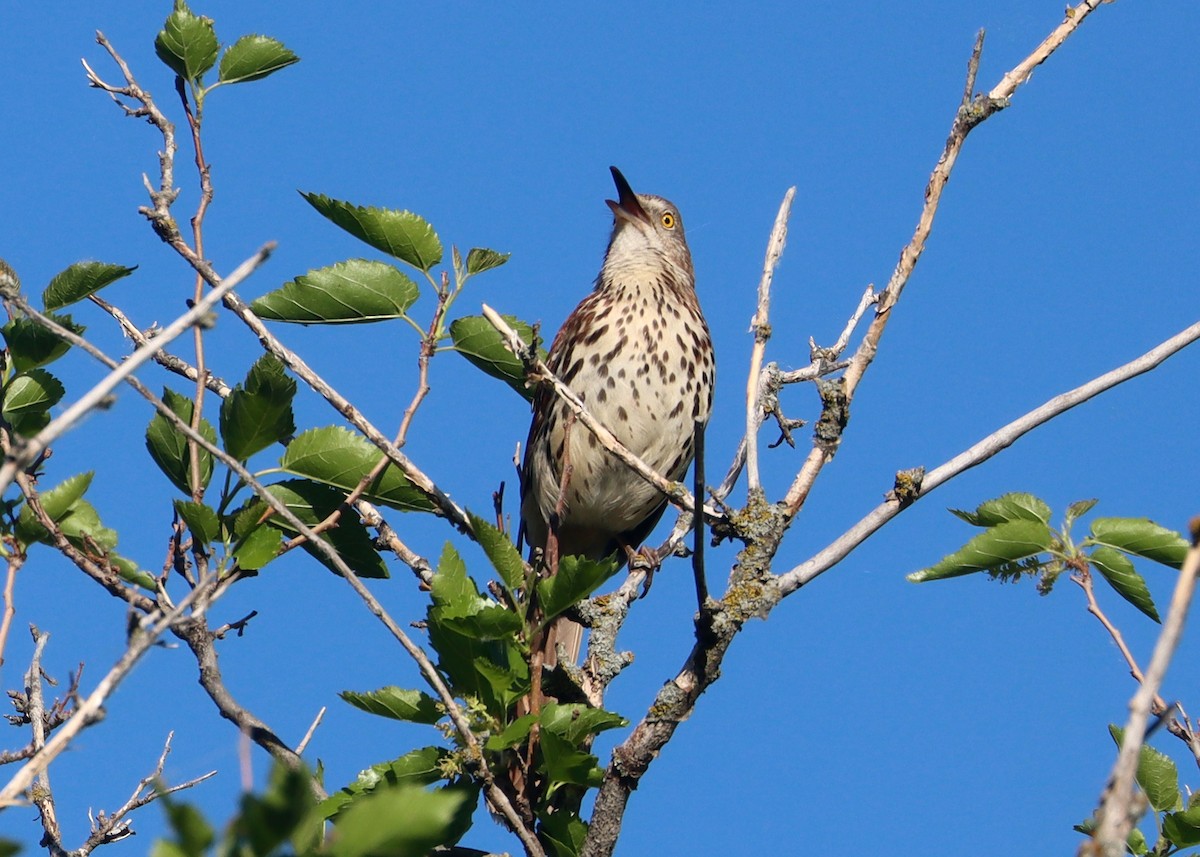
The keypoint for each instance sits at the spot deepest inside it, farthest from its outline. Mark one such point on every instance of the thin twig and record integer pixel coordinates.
(29, 450)
(107, 829)
(997, 441)
(673, 491)
(312, 729)
(760, 326)
(14, 561)
(1116, 815)
(148, 631)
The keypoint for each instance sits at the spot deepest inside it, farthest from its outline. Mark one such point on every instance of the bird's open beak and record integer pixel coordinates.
(627, 206)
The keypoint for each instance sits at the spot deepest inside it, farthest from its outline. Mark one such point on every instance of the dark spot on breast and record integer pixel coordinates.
(591, 338)
(622, 414)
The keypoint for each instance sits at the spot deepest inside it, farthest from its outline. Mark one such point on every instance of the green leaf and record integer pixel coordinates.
(82, 523)
(577, 722)
(1078, 509)
(402, 234)
(396, 703)
(1141, 537)
(340, 457)
(480, 259)
(1000, 544)
(30, 345)
(513, 734)
(351, 292)
(28, 398)
(419, 767)
(451, 588)
(406, 821)
(79, 281)
(564, 831)
(1118, 570)
(1183, 828)
(283, 813)
(258, 412)
(312, 503)
(187, 43)
(475, 339)
(193, 834)
(255, 544)
(565, 763)
(253, 58)
(576, 579)
(130, 572)
(201, 520)
(1015, 506)
(169, 447)
(501, 551)
(57, 502)
(1156, 774)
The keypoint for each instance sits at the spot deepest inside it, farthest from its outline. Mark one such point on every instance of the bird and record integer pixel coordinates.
(637, 351)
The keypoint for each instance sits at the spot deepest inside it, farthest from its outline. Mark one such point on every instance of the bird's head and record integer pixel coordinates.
(647, 233)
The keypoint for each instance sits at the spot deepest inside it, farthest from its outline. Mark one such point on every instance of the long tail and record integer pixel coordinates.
(569, 634)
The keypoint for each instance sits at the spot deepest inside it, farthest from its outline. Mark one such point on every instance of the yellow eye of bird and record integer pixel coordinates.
(668, 220)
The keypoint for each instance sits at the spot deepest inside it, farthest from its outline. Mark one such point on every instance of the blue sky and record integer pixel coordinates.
(951, 717)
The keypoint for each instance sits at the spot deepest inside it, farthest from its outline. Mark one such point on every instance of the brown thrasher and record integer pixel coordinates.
(638, 353)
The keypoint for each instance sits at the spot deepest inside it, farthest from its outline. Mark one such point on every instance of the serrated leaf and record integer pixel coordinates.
(340, 457)
(419, 767)
(131, 572)
(169, 447)
(396, 703)
(566, 763)
(475, 339)
(1078, 509)
(80, 280)
(258, 412)
(255, 543)
(513, 734)
(406, 821)
(355, 291)
(1183, 828)
(501, 551)
(254, 57)
(480, 259)
(57, 502)
(1141, 537)
(31, 392)
(402, 234)
(1003, 543)
(312, 503)
(1156, 774)
(452, 589)
(576, 579)
(577, 722)
(201, 520)
(187, 42)
(82, 524)
(1015, 506)
(565, 832)
(30, 345)
(1118, 570)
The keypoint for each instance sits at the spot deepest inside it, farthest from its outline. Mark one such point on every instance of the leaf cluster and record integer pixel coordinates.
(1018, 541)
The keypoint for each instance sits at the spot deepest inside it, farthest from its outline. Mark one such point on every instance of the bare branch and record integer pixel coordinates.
(29, 450)
(760, 326)
(999, 440)
(107, 829)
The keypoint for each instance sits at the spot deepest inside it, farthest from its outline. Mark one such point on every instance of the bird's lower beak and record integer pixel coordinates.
(627, 206)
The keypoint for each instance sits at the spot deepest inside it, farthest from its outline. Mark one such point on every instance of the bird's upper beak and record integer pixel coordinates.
(627, 206)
